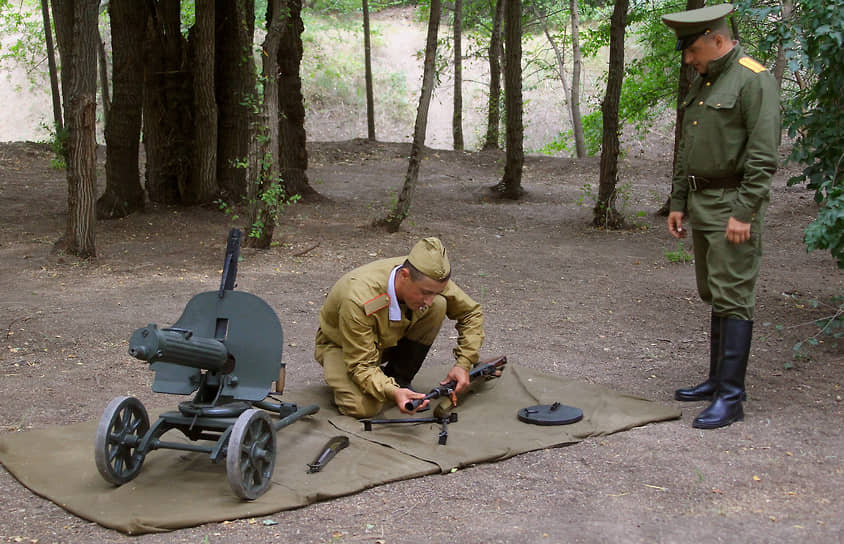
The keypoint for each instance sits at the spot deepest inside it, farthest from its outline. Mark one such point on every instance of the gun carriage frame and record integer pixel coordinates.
(227, 347)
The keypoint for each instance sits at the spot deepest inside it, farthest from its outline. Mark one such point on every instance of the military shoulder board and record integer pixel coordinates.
(378, 303)
(751, 64)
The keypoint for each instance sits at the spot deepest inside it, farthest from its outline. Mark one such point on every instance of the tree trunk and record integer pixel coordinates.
(786, 7)
(235, 81)
(561, 65)
(457, 115)
(605, 213)
(687, 73)
(103, 64)
(496, 53)
(76, 29)
(402, 207)
(168, 105)
(203, 186)
(51, 63)
(264, 160)
(293, 153)
(123, 193)
(577, 65)
(510, 186)
(367, 58)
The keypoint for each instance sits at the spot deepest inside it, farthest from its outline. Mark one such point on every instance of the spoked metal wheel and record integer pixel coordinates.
(122, 426)
(250, 457)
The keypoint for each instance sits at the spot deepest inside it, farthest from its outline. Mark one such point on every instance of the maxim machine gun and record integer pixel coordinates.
(227, 347)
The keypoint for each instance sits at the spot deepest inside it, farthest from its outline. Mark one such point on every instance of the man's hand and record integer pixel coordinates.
(403, 396)
(460, 376)
(675, 225)
(737, 232)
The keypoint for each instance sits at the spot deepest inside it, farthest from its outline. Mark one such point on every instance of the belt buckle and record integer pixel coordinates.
(693, 183)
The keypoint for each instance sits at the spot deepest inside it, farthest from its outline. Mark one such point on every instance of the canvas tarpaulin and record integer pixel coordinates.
(177, 489)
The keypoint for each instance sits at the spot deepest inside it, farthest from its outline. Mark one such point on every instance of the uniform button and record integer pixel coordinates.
(708, 83)
(694, 123)
(718, 105)
(700, 103)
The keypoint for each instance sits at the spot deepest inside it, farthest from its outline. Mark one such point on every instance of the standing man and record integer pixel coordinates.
(725, 161)
(379, 321)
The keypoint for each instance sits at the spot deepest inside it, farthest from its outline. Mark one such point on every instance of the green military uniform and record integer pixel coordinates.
(730, 128)
(355, 331)
(725, 160)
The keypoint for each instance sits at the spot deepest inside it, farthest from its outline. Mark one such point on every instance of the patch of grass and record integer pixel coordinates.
(679, 255)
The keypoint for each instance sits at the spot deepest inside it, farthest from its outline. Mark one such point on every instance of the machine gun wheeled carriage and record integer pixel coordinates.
(227, 347)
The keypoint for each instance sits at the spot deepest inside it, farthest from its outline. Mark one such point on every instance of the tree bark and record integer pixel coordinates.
(457, 115)
(203, 186)
(76, 30)
(103, 65)
(235, 80)
(264, 160)
(168, 105)
(786, 7)
(392, 222)
(561, 69)
(605, 213)
(687, 73)
(292, 138)
(123, 193)
(51, 63)
(510, 186)
(367, 59)
(496, 53)
(577, 66)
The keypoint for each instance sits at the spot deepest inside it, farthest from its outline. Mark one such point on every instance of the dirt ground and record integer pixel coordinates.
(602, 307)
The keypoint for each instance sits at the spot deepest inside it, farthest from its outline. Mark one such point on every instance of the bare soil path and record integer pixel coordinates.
(559, 296)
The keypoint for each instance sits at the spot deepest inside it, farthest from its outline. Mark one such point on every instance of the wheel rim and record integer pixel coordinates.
(250, 457)
(122, 426)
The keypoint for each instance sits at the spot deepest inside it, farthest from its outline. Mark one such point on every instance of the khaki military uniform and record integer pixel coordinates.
(731, 127)
(355, 330)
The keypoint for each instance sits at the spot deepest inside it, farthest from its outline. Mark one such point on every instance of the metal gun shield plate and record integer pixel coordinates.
(122, 426)
(250, 457)
(251, 333)
(550, 414)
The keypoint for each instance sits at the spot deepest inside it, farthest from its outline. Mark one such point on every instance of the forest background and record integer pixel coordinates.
(614, 307)
(561, 55)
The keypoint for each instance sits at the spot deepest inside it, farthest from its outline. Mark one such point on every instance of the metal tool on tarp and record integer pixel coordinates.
(327, 453)
(443, 421)
(550, 414)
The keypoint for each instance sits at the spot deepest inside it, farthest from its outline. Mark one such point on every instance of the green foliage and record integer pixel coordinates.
(829, 328)
(813, 39)
(22, 34)
(679, 255)
(58, 145)
(333, 70)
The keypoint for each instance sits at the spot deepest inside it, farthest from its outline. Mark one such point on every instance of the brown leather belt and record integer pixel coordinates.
(698, 183)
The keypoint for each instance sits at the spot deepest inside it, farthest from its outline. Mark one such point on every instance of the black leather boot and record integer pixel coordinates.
(726, 407)
(705, 390)
(404, 360)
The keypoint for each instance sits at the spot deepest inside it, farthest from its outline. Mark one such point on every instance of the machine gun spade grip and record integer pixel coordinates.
(486, 369)
(227, 281)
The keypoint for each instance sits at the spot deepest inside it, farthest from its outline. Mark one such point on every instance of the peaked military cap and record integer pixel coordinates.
(692, 24)
(428, 256)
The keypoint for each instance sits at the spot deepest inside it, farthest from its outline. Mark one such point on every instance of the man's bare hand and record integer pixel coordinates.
(675, 225)
(403, 396)
(460, 376)
(737, 232)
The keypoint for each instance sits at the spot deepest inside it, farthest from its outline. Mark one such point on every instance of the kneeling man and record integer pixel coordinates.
(379, 321)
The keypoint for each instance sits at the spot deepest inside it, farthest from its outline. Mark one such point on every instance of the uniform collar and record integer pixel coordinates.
(395, 310)
(717, 66)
